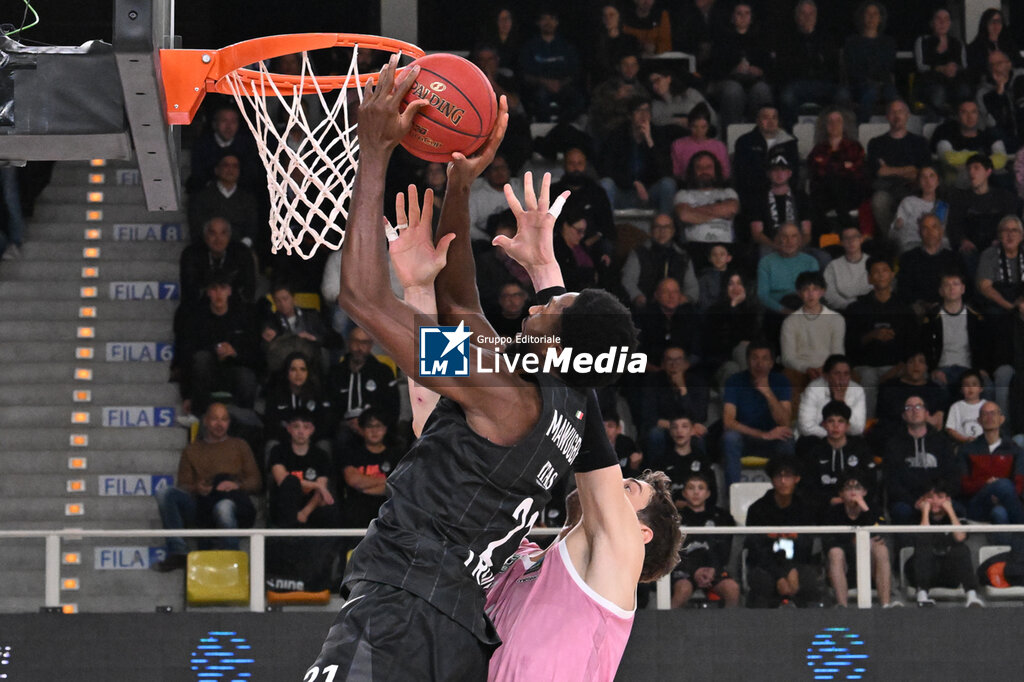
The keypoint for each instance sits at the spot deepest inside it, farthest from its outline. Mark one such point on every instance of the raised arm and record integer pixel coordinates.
(533, 245)
(455, 287)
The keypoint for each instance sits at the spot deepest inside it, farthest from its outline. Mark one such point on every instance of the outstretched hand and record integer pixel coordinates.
(533, 244)
(463, 170)
(414, 256)
(381, 123)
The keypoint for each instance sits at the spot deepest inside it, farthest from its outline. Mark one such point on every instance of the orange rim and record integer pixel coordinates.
(189, 74)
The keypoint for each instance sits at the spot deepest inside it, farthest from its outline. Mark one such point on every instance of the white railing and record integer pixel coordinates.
(257, 548)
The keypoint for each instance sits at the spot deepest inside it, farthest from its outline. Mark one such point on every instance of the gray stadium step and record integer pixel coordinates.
(21, 554)
(26, 416)
(99, 439)
(55, 485)
(99, 463)
(71, 290)
(28, 351)
(78, 193)
(108, 252)
(137, 512)
(13, 375)
(115, 213)
(106, 311)
(105, 330)
(50, 270)
(113, 232)
(102, 394)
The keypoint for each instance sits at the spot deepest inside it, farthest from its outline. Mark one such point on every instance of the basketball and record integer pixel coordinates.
(461, 111)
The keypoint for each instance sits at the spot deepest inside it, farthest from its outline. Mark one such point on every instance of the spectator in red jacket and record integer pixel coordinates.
(993, 476)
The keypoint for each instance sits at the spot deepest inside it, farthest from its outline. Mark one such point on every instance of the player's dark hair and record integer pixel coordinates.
(661, 554)
(836, 408)
(596, 323)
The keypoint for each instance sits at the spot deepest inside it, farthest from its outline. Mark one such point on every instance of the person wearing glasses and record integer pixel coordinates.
(915, 459)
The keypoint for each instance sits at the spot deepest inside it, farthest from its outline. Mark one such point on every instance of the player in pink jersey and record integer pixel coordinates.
(564, 613)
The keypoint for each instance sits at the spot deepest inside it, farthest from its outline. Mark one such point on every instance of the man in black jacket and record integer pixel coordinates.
(635, 167)
(753, 153)
(808, 64)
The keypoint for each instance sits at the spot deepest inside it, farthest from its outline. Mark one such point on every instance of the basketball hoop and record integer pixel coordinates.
(311, 165)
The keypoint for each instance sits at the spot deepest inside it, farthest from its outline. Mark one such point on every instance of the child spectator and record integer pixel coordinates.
(300, 496)
(941, 560)
(704, 557)
(962, 423)
(846, 278)
(365, 468)
(834, 384)
(835, 456)
(686, 456)
(953, 336)
(778, 204)
(853, 509)
(811, 334)
(714, 279)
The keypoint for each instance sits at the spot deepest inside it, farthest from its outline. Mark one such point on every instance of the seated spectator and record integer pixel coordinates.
(869, 60)
(854, 509)
(962, 424)
(503, 35)
(634, 164)
(952, 336)
(507, 319)
(839, 452)
(581, 264)
(551, 73)
(846, 277)
(611, 99)
(701, 139)
(957, 141)
(755, 153)
(290, 328)
(715, 278)
(1001, 101)
(1001, 283)
(756, 412)
(218, 350)
(905, 229)
(703, 557)
(487, 196)
(223, 198)
(226, 136)
(611, 42)
(810, 334)
(974, 213)
(217, 255)
(780, 566)
(941, 61)
(360, 381)
(989, 38)
(300, 495)
(589, 199)
(673, 106)
(517, 145)
(940, 560)
(706, 207)
(648, 21)
(808, 65)
(365, 466)
(922, 268)
(695, 28)
(673, 390)
(837, 170)
(993, 472)
(631, 459)
(916, 457)
(894, 160)
(834, 385)
(912, 379)
(879, 332)
(659, 258)
(732, 322)
(683, 456)
(739, 67)
(294, 388)
(216, 475)
(778, 271)
(494, 267)
(780, 204)
(668, 320)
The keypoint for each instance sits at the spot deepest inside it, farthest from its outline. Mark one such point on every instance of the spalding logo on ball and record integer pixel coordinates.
(461, 108)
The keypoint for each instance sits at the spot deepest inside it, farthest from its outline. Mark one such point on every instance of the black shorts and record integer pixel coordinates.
(385, 633)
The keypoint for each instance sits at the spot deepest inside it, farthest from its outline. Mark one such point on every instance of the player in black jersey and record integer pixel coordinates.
(473, 484)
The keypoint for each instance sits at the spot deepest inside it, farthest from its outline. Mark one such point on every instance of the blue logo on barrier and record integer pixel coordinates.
(222, 655)
(837, 654)
(444, 351)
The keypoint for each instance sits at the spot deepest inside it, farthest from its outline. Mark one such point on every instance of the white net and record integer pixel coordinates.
(308, 144)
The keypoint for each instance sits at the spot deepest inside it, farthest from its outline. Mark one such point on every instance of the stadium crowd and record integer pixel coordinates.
(852, 316)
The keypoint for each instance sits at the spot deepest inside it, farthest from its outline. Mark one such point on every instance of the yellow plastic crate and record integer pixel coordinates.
(217, 577)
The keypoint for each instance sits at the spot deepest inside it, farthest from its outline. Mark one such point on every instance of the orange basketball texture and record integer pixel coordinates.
(461, 111)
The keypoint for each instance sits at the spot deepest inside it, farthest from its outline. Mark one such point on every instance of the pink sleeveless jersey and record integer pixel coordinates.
(552, 625)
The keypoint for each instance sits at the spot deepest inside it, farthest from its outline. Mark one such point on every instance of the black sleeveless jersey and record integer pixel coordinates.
(458, 505)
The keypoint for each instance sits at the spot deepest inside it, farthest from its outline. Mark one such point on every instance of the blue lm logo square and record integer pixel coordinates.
(444, 351)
